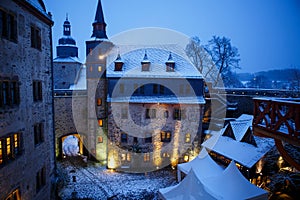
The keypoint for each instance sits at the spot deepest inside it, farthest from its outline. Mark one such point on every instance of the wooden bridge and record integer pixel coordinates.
(278, 119)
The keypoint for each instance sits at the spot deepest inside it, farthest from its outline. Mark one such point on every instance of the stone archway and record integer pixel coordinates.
(71, 139)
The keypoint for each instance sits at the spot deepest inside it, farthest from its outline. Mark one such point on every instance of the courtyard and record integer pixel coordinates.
(90, 181)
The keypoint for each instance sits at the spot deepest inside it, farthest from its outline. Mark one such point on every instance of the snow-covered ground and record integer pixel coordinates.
(97, 182)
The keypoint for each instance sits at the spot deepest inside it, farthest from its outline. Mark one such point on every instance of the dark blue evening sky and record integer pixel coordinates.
(266, 32)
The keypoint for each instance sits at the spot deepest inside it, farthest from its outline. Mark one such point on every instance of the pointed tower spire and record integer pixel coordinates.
(67, 27)
(99, 25)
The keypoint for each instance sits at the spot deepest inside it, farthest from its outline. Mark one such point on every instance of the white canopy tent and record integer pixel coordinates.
(203, 165)
(232, 185)
(191, 188)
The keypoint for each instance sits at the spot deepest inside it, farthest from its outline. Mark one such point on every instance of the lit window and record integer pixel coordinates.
(100, 139)
(165, 136)
(123, 156)
(126, 156)
(99, 102)
(188, 138)
(15, 195)
(100, 122)
(1, 153)
(8, 147)
(16, 143)
(99, 68)
(166, 155)
(147, 157)
(186, 158)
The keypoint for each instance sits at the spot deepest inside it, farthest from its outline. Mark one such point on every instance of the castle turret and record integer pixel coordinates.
(66, 65)
(97, 49)
(66, 45)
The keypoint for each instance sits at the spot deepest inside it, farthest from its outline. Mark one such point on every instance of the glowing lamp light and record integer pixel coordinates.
(112, 160)
(174, 162)
(111, 164)
(186, 158)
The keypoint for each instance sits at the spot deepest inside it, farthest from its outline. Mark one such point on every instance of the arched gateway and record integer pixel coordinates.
(67, 145)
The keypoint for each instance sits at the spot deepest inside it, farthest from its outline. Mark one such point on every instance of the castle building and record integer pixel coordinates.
(66, 65)
(143, 107)
(27, 160)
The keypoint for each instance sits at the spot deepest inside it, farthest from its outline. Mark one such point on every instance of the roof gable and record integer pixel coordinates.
(249, 138)
(228, 132)
(157, 69)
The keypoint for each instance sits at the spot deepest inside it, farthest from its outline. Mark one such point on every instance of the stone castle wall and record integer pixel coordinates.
(21, 60)
(137, 125)
(70, 117)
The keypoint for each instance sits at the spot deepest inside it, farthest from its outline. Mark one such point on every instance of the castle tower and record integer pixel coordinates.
(66, 45)
(97, 49)
(66, 65)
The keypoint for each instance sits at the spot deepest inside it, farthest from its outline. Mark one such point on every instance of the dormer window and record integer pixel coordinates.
(170, 64)
(119, 63)
(145, 63)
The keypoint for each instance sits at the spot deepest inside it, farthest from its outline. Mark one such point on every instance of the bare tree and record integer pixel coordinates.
(224, 55)
(201, 59)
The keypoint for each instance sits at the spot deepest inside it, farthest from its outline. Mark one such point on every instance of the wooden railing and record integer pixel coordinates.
(278, 119)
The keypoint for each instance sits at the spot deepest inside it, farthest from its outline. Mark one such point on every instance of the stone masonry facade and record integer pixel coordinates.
(144, 146)
(27, 160)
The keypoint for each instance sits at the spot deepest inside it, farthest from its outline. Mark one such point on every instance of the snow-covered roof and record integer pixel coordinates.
(204, 166)
(231, 184)
(67, 41)
(99, 39)
(80, 82)
(190, 188)
(240, 126)
(158, 99)
(242, 152)
(158, 58)
(67, 59)
(39, 5)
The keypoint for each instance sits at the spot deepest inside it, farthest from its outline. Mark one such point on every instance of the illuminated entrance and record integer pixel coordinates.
(72, 145)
